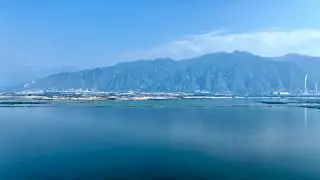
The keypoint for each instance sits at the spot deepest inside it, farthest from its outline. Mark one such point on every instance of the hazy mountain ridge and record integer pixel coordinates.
(237, 72)
(309, 64)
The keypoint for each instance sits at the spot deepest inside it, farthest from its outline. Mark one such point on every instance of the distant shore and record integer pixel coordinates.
(137, 97)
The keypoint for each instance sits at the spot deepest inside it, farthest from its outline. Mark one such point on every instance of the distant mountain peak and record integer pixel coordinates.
(222, 54)
(163, 59)
(295, 55)
(241, 52)
(292, 54)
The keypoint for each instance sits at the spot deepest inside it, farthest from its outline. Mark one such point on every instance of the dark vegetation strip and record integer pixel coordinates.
(271, 102)
(22, 103)
(311, 107)
(144, 106)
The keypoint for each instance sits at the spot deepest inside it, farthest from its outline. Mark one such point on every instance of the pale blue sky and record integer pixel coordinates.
(81, 33)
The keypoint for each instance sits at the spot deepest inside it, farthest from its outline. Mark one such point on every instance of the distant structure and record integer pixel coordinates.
(317, 88)
(281, 93)
(305, 84)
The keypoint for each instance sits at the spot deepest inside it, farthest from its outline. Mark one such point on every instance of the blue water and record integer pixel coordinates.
(150, 140)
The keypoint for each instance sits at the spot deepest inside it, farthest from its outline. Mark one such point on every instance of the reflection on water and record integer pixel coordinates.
(306, 117)
(143, 143)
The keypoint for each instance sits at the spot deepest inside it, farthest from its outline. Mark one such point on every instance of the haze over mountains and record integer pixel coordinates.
(9, 77)
(236, 72)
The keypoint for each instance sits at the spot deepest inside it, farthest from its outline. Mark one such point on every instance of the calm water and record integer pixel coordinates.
(165, 141)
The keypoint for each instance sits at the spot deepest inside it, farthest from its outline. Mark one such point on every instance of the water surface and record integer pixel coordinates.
(154, 140)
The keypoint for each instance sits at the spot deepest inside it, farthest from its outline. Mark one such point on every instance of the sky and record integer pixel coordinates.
(39, 36)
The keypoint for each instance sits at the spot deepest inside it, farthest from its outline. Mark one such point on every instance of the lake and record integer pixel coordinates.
(183, 139)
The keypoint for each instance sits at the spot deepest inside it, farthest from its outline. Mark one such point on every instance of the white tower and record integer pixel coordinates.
(305, 84)
(317, 88)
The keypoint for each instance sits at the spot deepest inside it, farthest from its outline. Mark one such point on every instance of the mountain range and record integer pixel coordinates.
(237, 72)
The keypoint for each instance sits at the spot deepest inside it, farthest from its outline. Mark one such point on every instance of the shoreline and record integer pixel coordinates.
(144, 97)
